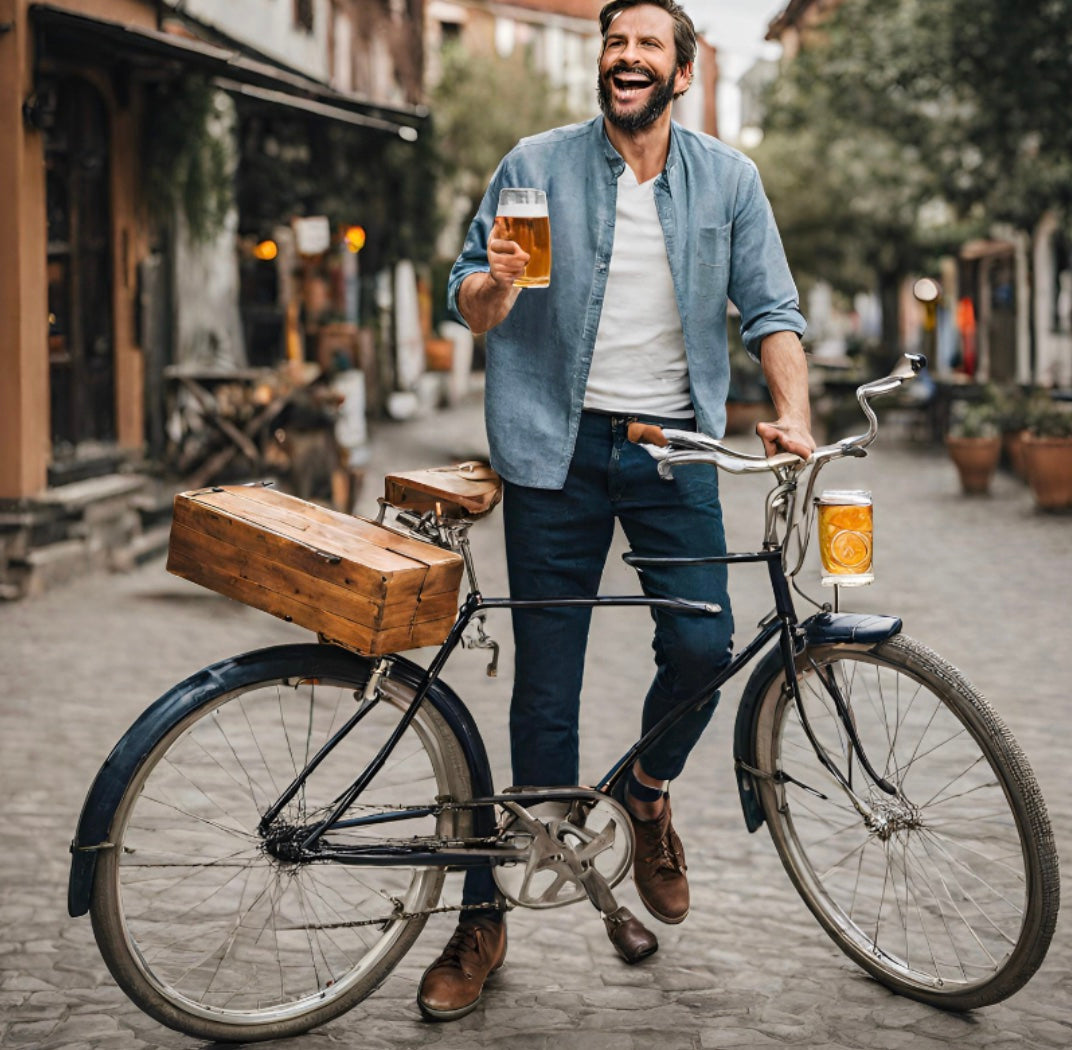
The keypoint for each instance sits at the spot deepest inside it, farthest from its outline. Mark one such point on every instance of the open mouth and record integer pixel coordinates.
(630, 83)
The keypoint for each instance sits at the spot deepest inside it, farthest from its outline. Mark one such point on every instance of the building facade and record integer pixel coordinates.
(561, 40)
(90, 303)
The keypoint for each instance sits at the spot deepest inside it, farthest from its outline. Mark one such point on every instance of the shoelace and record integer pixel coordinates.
(665, 857)
(669, 859)
(465, 940)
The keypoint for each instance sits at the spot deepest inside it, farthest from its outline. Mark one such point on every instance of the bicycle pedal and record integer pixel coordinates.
(632, 940)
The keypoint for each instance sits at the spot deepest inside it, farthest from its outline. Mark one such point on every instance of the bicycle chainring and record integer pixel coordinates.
(556, 841)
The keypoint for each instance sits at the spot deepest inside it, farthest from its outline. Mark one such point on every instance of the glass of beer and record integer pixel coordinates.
(523, 217)
(845, 536)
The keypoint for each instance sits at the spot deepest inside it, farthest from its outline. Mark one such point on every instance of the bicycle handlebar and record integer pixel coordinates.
(683, 446)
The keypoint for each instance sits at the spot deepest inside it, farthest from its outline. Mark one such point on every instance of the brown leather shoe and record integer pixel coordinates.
(453, 984)
(659, 867)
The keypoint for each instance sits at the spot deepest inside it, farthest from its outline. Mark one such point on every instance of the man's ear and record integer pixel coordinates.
(683, 79)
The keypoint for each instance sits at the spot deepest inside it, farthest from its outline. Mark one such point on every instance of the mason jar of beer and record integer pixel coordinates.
(845, 537)
(523, 217)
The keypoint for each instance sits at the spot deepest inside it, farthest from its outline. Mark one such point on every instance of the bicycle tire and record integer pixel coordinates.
(198, 924)
(950, 894)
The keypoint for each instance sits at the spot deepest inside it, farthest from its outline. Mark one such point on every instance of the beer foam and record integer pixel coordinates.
(522, 211)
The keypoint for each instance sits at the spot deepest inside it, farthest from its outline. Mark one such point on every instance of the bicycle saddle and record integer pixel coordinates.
(470, 489)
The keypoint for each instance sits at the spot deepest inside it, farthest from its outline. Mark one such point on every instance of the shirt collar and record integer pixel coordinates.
(617, 164)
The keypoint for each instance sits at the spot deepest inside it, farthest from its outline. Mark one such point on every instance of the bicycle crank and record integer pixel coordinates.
(568, 848)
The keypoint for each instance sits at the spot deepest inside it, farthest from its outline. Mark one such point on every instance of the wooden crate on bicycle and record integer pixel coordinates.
(355, 582)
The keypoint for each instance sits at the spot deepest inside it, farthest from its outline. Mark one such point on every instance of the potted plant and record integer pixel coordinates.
(974, 444)
(1048, 454)
(1013, 407)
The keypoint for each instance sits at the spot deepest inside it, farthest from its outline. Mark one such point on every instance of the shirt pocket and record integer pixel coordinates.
(713, 244)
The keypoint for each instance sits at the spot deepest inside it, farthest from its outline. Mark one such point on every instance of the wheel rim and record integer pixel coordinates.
(214, 924)
(930, 888)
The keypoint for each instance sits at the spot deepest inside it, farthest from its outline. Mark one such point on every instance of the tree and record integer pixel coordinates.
(914, 108)
(848, 194)
(482, 106)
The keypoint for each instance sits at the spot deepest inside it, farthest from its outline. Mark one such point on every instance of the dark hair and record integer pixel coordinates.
(684, 30)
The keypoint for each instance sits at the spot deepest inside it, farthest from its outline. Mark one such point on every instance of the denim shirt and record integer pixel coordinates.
(721, 242)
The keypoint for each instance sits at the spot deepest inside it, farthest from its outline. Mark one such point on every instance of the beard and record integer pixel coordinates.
(635, 120)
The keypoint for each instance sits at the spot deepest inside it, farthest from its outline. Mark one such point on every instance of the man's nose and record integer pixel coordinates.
(630, 53)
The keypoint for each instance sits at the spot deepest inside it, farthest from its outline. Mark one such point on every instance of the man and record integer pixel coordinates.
(653, 228)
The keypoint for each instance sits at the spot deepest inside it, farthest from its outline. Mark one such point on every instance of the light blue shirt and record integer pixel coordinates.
(721, 242)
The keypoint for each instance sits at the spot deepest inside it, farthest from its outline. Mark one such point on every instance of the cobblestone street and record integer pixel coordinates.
(984, 581)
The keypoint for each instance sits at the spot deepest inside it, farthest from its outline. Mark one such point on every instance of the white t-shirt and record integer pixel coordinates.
(639, 365)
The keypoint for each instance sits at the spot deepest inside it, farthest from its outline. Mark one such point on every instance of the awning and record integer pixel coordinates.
(63, 34)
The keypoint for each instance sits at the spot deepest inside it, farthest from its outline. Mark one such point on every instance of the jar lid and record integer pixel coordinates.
(846, 497)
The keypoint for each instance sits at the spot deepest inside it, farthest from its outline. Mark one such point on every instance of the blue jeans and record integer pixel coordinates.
(557, 543)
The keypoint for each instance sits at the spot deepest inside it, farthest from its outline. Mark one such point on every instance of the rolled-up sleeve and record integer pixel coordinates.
(474, 254)
(761, 284)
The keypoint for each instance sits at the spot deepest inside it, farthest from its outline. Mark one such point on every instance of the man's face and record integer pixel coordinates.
(638, 74)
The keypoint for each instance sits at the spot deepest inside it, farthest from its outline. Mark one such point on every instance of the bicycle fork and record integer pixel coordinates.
(790, 633)
(826, 677)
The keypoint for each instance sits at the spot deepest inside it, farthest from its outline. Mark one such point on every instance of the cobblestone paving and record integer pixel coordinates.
(983, 581)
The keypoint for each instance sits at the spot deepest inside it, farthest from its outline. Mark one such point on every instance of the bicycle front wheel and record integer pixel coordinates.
(947, 891)
(210, 931)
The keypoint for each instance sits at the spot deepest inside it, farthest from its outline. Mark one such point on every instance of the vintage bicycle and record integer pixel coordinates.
(268, 839)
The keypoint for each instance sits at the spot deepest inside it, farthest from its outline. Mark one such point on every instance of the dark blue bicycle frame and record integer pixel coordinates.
(782, 624)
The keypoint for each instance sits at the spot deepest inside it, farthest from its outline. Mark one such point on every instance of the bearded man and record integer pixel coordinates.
(654, 229)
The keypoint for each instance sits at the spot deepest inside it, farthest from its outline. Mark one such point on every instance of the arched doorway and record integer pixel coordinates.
(80, 343)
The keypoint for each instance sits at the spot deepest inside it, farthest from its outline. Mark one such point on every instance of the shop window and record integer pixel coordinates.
(79, 269)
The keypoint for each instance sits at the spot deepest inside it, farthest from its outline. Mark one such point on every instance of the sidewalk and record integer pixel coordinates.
(984, 582)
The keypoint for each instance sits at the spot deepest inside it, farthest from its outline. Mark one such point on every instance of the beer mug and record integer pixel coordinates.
(522, 215)
(845, 536)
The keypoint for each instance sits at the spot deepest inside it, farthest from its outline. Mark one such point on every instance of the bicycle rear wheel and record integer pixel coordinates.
(199, 924)
(946, 892)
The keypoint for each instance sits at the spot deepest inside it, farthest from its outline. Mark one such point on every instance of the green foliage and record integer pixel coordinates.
(1048, 419)
(483, 105)
(1013, 408)
(186, 155)
(909, 125)
(979, 419)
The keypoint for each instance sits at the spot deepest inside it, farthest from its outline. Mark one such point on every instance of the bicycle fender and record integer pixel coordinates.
(864, 629)
(98, 810)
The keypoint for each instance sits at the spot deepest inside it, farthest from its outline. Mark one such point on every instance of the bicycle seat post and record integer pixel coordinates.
(457, 533)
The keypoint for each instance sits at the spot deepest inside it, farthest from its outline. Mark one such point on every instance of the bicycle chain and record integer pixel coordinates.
(502, 906)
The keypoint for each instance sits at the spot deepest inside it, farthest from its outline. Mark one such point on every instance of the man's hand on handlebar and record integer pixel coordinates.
(786, 435)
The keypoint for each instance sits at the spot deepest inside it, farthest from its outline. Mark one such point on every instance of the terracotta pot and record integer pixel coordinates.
(1013, 444)
(975, 460)
(439, 354)
(1049, 471)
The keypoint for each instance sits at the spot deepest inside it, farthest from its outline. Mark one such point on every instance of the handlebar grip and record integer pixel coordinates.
(647, 434)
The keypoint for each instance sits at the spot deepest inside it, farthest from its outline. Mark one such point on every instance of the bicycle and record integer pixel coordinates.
(244, 884)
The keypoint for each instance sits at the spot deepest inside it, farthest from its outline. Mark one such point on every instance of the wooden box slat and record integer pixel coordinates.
(321, 529)
(357, 583)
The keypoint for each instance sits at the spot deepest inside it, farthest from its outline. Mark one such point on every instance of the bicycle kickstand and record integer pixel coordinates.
(632, 940)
